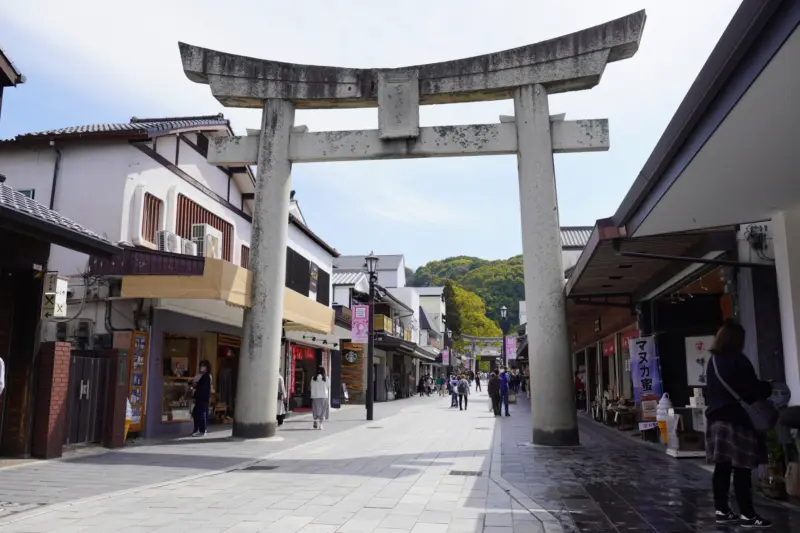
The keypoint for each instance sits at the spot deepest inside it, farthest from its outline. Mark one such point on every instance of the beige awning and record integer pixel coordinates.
(229, 283)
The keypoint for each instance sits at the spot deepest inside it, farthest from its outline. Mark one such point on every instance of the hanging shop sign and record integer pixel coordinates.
(646, 373)
(608, 347)
(446, 357)
(313, 280)
(511, 347)
(697, 357)
(359, 324)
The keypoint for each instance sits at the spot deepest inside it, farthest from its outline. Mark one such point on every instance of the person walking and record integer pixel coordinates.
(202, 396)
(504, 384)
(320, 394)
(732, 444)
(281, 400)
(463, 392)
(493, 388)
(477, 382)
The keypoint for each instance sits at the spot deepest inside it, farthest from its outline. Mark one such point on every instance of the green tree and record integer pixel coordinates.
(452, 315)
(410, 278)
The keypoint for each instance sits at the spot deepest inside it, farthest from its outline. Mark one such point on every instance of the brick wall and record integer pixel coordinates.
(52, 384)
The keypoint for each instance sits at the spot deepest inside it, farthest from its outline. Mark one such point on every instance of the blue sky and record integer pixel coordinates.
(89, 61)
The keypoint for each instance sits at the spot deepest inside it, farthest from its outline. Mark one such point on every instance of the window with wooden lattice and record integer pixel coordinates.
(245, 260)
(190, 213)
(151, 217)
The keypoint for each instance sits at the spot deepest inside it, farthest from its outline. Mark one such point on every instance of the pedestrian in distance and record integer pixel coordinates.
(477, 382)
(732, 443)
(453, 391)
(463, 393)
(320, 394)
(202, 397)
(281, 400)
(493, 388)
(504, 385)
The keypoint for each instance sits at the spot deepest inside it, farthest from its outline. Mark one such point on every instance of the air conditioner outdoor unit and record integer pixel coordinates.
(168, 242)
(189, 248)
(208, 240)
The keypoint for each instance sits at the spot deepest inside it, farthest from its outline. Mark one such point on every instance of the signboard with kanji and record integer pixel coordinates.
(646, 373)
(697, 357)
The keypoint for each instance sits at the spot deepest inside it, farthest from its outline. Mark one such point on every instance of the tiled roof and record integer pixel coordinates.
(347, 277)
(357, 262)
(137, 127)
(575, 236)
(19, 208)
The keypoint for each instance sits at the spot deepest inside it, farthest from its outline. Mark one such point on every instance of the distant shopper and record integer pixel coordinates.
(320, 394)
(504, 385)
(202, 396)
(453, 391)
(732, 444)
(477, 382)
(493, 388)
(281, 400)
(463, 392)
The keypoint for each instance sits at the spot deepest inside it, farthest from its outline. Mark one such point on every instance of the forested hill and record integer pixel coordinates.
(498, 282)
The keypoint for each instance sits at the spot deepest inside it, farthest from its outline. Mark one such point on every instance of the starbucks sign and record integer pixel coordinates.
(351, 356)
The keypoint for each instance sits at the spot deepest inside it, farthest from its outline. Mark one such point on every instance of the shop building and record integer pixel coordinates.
(706, 232)
(175, 295)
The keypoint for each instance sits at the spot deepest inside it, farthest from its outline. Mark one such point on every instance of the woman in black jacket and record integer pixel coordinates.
(732, 444)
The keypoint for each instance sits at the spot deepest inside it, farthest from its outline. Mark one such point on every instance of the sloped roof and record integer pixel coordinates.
(350, 277)
(426, 322)
(136, 128)
(356, 262)
(575, 237)
(17, 211)
(9, 74)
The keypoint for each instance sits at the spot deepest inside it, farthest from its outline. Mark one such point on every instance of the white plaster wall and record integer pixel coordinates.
(570, 257)
(302, 244)
(435, 308)
(388, 278)
(523, 313)
(89, 189)
(341, 295)
(212, 177)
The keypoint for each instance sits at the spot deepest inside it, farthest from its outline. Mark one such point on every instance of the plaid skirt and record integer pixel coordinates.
(740, 446)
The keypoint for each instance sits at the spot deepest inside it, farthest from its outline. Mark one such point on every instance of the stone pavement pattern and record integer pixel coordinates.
(612, 483)
(424, 469)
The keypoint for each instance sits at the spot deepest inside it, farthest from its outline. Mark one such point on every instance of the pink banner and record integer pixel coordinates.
(511, 348)
(446, 356)
(360, 324)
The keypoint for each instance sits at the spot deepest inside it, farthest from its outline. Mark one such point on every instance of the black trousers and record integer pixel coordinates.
(496, 404)
(462, 397)
(742, 487)
(477, 385)
(200, 414)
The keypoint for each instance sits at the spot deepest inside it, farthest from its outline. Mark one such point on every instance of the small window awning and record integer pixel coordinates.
(229, 283)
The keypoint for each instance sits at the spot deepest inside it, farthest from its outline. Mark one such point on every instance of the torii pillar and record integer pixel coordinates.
(527, 74)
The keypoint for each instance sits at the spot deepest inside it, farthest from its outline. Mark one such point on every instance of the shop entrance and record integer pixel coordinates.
(304, 363)
(225, 372)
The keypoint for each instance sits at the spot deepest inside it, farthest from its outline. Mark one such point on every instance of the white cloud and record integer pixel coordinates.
(127, 54)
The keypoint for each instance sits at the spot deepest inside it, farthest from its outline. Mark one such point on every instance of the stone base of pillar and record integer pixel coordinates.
(254, 431)
(564, 437)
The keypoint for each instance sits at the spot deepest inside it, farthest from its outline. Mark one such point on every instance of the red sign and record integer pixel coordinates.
(625, 337)
(608, 347)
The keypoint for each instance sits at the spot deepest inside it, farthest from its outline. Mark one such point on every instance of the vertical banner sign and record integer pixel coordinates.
(697, 357)
(313, 281)
(511, 347)
(360, 324)
(646, 375)
(446, 357)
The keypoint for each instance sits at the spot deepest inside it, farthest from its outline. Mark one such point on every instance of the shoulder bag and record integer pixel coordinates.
(762, 413)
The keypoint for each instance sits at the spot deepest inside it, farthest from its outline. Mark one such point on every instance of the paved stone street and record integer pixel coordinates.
(419, 467)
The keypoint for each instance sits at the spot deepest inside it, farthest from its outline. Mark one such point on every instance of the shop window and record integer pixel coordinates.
(179, 366)
(245, 259)
(190, 213)
(151, 217)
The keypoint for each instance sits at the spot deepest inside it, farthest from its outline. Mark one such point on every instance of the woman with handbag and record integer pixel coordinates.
(738, 415)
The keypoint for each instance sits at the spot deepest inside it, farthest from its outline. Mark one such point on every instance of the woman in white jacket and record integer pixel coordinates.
(320, 392)
(281, 400)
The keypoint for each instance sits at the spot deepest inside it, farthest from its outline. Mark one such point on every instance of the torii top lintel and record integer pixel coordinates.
(568, 63)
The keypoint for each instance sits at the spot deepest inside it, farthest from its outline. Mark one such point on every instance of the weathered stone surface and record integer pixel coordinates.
(567, 63)
(437, 141)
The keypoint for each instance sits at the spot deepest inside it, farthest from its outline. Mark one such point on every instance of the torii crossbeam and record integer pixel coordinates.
(527, 74)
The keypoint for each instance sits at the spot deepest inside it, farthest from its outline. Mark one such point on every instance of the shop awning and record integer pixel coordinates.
(229, 283)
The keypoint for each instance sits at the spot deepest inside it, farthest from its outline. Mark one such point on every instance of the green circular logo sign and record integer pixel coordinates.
(351, 357)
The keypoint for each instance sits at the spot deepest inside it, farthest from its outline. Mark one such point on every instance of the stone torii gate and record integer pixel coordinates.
(527, 74)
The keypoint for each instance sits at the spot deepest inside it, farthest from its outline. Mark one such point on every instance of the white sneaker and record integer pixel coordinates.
(320, 426)
(197, 434)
